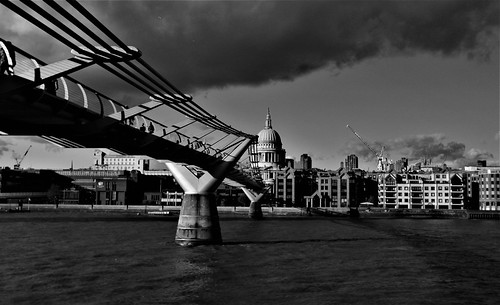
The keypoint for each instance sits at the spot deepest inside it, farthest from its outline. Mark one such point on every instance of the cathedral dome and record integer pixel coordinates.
(268, 137)
(269, 149)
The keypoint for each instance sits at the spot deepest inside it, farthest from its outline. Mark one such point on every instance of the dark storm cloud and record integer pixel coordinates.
(429, 146)
(202, 44)
(432, 147)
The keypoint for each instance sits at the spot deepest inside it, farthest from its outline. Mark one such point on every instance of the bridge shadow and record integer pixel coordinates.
(301, 241)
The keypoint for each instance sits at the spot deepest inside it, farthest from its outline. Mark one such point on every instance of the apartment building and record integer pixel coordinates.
(341, 189)
(421, 191)
(483, 187)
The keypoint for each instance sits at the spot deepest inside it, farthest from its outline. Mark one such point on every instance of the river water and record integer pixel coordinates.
(92, 258)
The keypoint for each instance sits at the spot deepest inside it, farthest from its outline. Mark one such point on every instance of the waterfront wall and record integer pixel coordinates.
(223, 211)
(267, 211)
(104, 208)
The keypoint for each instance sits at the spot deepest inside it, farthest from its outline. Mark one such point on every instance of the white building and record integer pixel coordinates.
(142, 164)
(421, 191)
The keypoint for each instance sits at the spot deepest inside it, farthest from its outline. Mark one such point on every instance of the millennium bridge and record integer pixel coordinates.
(42, 99)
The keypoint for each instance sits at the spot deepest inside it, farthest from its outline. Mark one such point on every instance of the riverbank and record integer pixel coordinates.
(409, 213)
(152, 210)
(233, 211)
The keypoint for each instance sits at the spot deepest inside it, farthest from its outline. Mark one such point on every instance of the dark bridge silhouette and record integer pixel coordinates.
(41, 99)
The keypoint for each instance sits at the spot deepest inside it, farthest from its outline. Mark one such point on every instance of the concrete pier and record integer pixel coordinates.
(255, 210)
(198, 221)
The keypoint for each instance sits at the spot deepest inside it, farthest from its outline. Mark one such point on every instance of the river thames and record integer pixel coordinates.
(93, 258)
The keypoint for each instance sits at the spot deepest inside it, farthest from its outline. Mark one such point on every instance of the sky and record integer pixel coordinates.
(420, 78)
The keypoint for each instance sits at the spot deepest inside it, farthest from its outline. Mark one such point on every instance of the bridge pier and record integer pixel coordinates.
(199, 220)
(255, 210)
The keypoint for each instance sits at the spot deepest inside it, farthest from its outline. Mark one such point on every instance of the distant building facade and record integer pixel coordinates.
(483, 187)
(351, 162)
(103, 161)
(305, 162)
(421, 191)
(36, 186)
(341, 189)
(401, 165)
(120, 187)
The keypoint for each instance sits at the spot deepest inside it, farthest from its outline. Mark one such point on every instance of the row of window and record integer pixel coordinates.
(405, 200)
(121, 161)
(427, 188)
(492, 195)
(489, 176)
(125, 168)
(401, 194)
(492, 189)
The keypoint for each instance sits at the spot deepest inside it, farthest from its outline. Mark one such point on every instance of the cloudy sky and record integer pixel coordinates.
(420, 78)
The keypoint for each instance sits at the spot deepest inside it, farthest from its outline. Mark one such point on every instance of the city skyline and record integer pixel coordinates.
(419, 78)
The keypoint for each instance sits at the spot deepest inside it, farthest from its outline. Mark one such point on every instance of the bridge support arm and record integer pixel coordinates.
(255, 210)
(199, 220)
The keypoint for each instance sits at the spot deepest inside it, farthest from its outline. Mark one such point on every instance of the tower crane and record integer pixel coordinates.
(18, 161)
(381, 165)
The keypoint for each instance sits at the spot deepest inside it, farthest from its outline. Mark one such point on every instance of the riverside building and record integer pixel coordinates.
(341, 189)
(421, 191)
(103, 161)
(483, 187)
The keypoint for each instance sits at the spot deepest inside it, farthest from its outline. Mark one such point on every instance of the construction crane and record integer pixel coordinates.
(381, 163)
(18, 161)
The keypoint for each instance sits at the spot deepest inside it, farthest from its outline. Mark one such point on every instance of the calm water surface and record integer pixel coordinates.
(85, 258)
